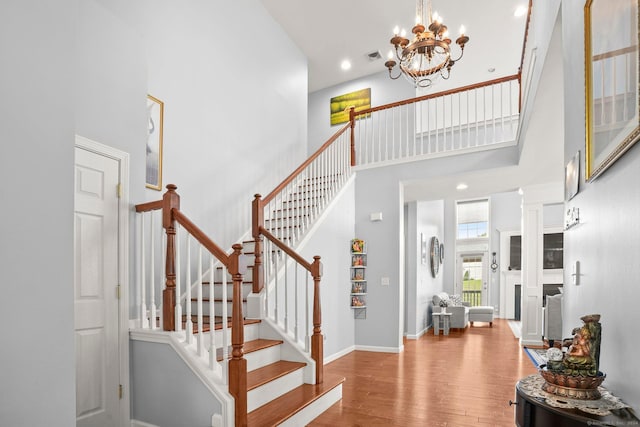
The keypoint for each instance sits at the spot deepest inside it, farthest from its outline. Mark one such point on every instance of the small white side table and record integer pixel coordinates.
(441, 321)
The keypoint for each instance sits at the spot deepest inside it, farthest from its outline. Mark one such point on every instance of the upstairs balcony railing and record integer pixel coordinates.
(469, 118)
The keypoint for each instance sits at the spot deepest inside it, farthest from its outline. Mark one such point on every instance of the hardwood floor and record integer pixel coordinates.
(460, 380)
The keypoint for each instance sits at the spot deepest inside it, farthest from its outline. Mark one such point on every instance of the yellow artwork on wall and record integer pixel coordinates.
(360, 99)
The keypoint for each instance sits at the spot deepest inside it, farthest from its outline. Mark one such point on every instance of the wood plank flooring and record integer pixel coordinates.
(460, 380)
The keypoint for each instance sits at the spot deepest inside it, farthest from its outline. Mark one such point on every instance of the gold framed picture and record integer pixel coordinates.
(611, 82)
(155, 111)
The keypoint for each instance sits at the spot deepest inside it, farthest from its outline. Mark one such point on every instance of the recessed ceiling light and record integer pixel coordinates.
(346, 65)
(520, 11)
(462, 186)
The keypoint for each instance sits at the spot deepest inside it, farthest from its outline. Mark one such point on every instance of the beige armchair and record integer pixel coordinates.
(459, 313)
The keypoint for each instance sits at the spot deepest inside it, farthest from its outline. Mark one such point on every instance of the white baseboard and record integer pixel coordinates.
(377, 349)
(338, 355)
(136, 423)
(418, 335)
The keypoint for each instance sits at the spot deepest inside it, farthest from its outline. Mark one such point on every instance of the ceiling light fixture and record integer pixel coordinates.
(462, 186)
(346, 65)
(520, 11)
(428, 56)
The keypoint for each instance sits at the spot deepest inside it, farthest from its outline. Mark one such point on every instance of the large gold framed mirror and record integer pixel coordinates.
(611, 82)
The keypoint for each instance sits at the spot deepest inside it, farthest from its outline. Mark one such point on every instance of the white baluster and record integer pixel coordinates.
(307, 326)
(212, 328)
(226, 342)
(162, 273)
(152, 272)
(178, 282)
(199, 304)
(189, 323)
(286, 293)
(297, 303)
(144, 318)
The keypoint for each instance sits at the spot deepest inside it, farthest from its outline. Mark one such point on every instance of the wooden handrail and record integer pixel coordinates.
(306, 163)
(526, 36)
(149, 206)
(436, 95)
(286, 249)
(201, 237)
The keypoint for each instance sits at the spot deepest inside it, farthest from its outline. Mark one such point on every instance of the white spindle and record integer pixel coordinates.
(162, 272)
(178, 282)
(275, 288)
(152, 290)
(199, 309)
(144, 318)
(307, 302)
(286, 293)
(297, 304)
(212, 316)
(225, 316)
(189, 323)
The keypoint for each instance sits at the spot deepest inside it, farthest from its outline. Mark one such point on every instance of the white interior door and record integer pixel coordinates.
(95, 290)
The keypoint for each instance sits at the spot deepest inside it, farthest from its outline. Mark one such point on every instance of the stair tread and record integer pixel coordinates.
(282, 408)
(251, 346)
(263, 375)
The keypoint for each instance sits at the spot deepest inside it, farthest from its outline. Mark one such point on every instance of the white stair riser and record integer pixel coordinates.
(264, 357)
(312, 411)
(290, 221)
(274, 389)
(251, 332)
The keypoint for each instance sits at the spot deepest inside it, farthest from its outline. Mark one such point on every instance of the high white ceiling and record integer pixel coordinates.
(330, 31)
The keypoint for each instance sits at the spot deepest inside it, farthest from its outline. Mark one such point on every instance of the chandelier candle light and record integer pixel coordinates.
(428, 55)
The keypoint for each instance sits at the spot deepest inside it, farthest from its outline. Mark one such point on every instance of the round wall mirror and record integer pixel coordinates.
(435, 256)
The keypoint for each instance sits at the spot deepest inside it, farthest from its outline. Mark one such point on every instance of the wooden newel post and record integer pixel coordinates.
(237, 364)
(317, 341)
(170, 201)
(257, 222)
(352, 119)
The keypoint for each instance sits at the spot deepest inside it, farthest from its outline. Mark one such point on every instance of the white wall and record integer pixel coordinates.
(331, 242)
(233, 127)
(85, 67)
(423, 220)
(383, 91)
(177, 397)
(37, 379)
(605, 243)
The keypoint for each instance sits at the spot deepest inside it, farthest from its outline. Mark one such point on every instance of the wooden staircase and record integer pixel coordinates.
(276, 390)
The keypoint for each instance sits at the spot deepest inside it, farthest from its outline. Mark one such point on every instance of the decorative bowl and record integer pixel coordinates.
(571, 386)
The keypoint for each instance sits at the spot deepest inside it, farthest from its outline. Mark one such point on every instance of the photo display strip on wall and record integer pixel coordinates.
(358, 293)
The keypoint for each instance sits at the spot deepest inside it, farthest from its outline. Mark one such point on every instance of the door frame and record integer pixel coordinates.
(123, 264)
(485, 288)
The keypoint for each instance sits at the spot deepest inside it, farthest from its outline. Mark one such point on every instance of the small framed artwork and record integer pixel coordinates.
(612, 43)
(571, 177)
(155, 111)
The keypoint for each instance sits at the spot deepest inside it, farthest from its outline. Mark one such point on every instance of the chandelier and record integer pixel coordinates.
(428, 56)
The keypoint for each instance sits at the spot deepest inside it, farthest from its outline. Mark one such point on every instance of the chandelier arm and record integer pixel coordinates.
(396, 77)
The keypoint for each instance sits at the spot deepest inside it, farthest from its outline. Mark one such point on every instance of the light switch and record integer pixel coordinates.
(384, 281)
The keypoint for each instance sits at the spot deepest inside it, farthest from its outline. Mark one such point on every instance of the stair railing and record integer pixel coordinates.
(171, 318)
(283, 217)
(479, 116)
